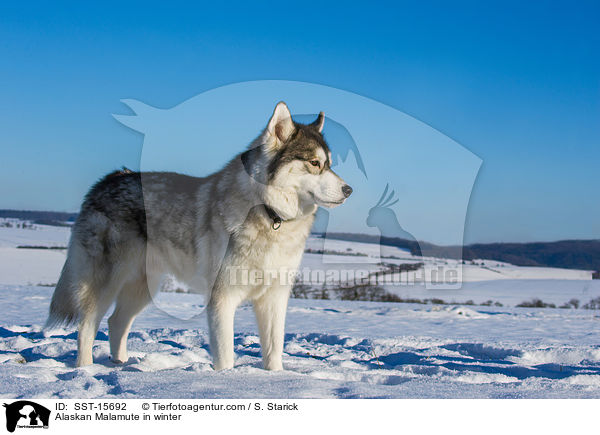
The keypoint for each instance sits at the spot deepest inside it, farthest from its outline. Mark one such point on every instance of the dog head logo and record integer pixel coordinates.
(26, 414)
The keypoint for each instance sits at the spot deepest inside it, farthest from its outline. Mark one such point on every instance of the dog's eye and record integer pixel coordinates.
(315, 163)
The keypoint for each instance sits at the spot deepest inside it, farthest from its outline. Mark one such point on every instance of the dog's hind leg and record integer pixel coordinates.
(131, 301)
(270, 310)
(95, 308)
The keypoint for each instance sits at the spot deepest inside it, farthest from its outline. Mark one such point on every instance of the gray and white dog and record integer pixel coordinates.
(254, 215)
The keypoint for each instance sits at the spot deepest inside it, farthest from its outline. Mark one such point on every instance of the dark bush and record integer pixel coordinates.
(536, 303)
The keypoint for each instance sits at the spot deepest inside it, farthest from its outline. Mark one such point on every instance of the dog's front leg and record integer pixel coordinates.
(221, 312)
(270, 311)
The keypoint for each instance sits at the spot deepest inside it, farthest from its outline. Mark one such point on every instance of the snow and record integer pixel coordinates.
(30, 266)
(508, 292)
(333, 348)
(34, 234)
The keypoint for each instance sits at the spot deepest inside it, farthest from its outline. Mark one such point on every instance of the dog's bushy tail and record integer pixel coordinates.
(64, 306)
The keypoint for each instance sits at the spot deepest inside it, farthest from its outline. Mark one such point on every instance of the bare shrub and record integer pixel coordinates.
(594, 304)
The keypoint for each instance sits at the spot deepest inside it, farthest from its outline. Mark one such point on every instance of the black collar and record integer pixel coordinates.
(274, 217)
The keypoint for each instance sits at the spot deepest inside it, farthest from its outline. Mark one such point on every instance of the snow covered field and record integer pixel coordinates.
(333, 349)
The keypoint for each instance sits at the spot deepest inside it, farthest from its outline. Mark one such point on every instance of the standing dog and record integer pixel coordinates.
(254, 216)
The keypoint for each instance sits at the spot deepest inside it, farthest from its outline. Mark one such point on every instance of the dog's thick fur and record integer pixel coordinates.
(134, 228)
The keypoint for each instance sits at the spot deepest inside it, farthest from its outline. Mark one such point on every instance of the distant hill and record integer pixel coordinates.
(569, 254)
(55, 218)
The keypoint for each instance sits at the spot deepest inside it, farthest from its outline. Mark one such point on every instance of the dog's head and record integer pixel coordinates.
(298, 165)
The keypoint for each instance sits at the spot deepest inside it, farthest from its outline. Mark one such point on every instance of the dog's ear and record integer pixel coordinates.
(318, 124)
(280, 126)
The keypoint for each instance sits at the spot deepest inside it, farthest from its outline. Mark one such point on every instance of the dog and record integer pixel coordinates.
(253, 215)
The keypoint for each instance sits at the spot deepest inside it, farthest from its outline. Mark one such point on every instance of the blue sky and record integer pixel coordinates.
(517, 84)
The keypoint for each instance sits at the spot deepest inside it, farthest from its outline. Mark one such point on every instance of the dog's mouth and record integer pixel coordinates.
(332, 203)
(328, 204)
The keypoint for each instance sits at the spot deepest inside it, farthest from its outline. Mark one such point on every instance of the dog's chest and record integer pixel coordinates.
(273, 249)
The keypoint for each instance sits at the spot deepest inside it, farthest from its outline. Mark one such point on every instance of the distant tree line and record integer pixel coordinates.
(569, 254)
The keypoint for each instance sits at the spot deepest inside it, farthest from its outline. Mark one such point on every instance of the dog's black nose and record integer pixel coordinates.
(346, 190)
